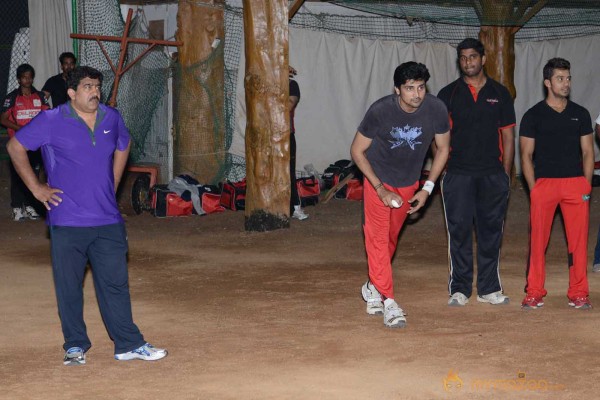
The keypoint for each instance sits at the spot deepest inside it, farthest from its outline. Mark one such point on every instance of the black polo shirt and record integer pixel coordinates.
(557, 152)
(57, 87)
(476, 120)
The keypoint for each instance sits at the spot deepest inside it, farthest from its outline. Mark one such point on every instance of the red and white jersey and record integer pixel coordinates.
(22, 109)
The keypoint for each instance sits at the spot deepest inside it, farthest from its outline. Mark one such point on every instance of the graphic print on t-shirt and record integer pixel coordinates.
(406, 136)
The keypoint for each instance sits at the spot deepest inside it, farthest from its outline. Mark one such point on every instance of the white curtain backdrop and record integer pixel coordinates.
(50, 27)
(340, 77)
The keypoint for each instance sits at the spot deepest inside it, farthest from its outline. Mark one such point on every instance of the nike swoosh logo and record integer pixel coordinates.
(106, 131)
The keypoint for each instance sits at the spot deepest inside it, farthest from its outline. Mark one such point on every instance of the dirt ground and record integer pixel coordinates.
(279, 315)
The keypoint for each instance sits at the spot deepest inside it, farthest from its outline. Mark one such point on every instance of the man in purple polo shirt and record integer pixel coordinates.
(84, 146)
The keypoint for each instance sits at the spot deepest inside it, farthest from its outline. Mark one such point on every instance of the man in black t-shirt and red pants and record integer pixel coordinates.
(476, 186)
(557, 159)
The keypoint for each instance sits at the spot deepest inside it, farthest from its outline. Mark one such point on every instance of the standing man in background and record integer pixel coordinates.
(476, 186)
(19, 108)
(295, 203)
(557, 135)
(56, 86)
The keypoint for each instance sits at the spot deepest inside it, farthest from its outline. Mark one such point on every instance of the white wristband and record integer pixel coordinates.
(428, 186)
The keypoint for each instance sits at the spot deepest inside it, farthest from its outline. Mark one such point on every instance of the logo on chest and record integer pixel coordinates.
(492, 101)
(406, 136)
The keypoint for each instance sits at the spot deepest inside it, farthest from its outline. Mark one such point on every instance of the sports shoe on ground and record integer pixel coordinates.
(582, 303)
(146, 352)
(596, 268)
(18, 214)
(393, 316)
(31, 213)
(373, 299)
(458, 300)
(74, 356)
(530, 302)
(493, 298)
(299, 214)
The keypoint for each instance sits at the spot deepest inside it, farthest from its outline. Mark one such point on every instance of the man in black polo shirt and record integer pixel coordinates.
(56, 86)
(557, 135)
(475, 188)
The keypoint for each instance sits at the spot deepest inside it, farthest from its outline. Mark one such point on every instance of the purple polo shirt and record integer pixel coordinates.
(79, 162)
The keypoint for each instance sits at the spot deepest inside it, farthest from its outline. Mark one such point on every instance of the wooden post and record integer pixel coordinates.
(268, 121)
(199, 146)
(499, 43)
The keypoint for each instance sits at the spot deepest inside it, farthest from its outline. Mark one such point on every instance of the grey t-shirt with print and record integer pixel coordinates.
(401, 139)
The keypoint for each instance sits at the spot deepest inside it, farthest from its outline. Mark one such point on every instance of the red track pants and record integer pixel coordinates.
(572, 194)
(381, 227)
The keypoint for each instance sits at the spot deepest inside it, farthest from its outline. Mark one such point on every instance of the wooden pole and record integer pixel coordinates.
(268, 120)
(199, 111)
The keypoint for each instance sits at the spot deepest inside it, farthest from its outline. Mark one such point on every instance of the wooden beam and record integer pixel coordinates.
(532, 11)
(294, 8)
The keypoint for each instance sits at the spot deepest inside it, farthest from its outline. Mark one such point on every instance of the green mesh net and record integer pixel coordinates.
(142, 89)
(557, 19)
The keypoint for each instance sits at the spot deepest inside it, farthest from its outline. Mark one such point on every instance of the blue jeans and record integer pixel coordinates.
(105, 248)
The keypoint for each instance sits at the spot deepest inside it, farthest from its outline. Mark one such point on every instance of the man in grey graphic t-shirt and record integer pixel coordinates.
(389, 148)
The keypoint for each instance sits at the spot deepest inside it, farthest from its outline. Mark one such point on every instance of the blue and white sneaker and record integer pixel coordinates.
(146, 352)
(74, 356)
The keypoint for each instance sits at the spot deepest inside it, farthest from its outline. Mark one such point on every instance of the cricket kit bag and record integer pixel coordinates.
(308, 190)
(354, 189)
(338, 171)
(233, 195)
(166, 203)
(210, 199)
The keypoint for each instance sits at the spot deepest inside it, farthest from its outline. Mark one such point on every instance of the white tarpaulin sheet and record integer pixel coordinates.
(340, 77)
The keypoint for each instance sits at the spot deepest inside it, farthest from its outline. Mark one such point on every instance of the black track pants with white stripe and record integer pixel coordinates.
(479, 201)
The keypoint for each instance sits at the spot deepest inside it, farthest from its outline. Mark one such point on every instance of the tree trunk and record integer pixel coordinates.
(198, 98)
(268, 120)
(499, 43)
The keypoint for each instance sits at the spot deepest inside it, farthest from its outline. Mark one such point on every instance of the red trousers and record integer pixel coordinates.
(572, 194)
(381, 228)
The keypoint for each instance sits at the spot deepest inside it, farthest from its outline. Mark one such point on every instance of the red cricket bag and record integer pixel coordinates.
(168, 204)
(233, 195)
(308, 190)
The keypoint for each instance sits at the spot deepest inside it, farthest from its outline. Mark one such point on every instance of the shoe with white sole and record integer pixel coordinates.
(299, 215)
(18, 215)
(31, 213)
(458, 300)
(493, 298)
(393, 316)
(373, 299)
(146, 352)
(74, 356)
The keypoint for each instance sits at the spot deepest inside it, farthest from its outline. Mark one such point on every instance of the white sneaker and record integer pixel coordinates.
(18, 214)
(393, 316)
(493, 298)
(373, 299)
(458, 300)
(31, 213)
(74, 356)
(299, 214)
(146, 352)
(596, 268)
